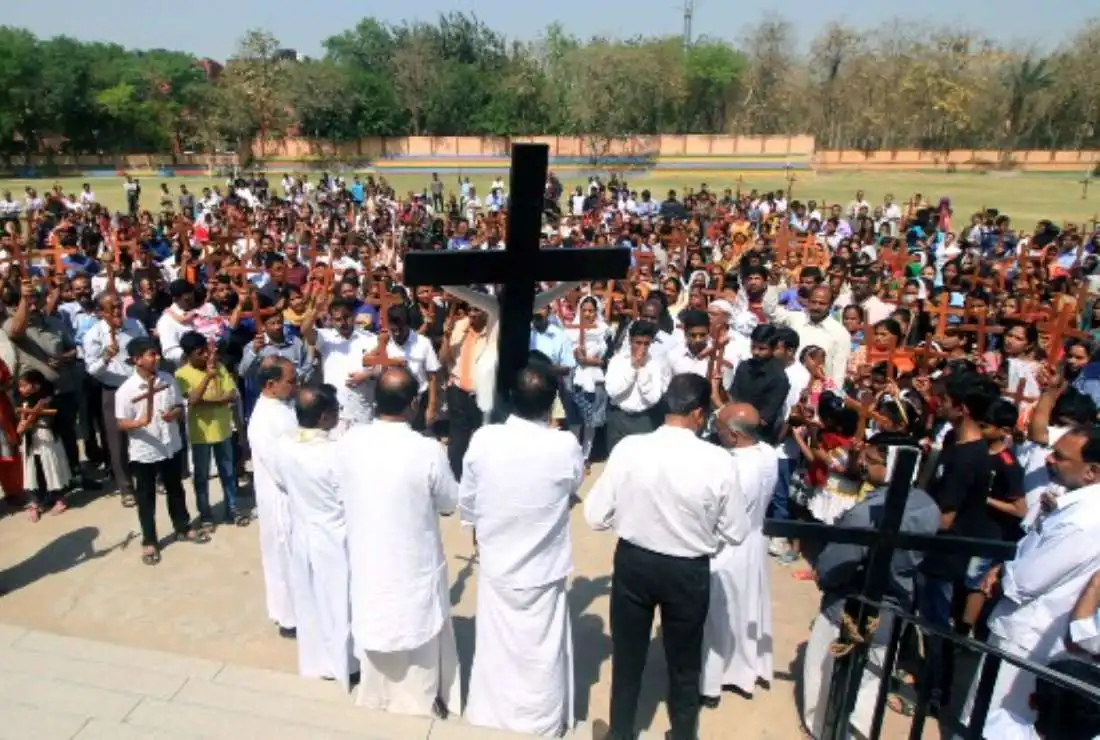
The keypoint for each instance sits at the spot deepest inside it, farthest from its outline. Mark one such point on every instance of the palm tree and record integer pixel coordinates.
(1026, 79)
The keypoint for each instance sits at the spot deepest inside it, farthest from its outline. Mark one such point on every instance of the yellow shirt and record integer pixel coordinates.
(208, 423)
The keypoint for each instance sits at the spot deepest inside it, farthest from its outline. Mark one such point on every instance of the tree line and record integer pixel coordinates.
(898, 86)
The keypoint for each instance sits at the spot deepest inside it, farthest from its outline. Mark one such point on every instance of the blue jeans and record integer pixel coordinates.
(780, 507)
(227, 473)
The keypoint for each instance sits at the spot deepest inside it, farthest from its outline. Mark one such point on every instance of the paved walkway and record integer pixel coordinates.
(220, 664)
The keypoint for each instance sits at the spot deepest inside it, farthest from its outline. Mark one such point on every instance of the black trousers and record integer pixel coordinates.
(420, 421)
(465, 419)
(622, 424)
(145, 491)
(643, 581)
(68, 420)
(95, 435)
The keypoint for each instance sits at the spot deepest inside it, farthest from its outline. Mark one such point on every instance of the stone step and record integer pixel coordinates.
(64, 688)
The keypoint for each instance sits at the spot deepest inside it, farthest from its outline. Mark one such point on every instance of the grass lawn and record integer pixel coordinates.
(1026, 197)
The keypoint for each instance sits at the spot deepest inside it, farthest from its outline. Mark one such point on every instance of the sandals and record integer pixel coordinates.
(151, 557)
(241, 520)
(129, 501)
(207, 527)
(33, 513)
(60, 507)
(194, 536)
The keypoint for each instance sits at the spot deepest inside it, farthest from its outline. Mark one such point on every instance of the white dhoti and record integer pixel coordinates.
(737, 641)
(817, 674)
(409, 681)
(1010, 714)
(522, 675)
(320, 589)
(274, 523)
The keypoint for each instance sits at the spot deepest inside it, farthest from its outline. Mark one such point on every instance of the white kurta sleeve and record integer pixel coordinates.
(838, 358)
(651, 381)
(1085, 634)
(444, 485)
(599, 507)
(621, 376)
(1054, 559)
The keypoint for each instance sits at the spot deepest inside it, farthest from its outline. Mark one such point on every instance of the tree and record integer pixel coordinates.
(255, 83)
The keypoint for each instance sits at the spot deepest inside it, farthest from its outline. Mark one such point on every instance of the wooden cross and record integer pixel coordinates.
(924, 354)
(866, 411)
(981, 329)
(582, 326)
(1057, 330)
(150, 390)
(257, 314)
(717, 362)
(380, 356)
(521, 265)
(31, 414)
(383, 302)
(783, 241)
(1017, 397)
(59, 253)
(941, 310)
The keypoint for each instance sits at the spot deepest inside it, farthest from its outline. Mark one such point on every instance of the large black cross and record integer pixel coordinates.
(520, 265)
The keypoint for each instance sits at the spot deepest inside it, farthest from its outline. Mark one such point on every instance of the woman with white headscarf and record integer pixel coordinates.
(587, 384)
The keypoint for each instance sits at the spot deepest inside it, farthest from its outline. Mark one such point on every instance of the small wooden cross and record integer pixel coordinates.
(866, 411)
(31, 414)
(1017, 397)
(981, 329)
(783, 241)
(717, 362)
(383, 302)
(380, 356)
(942, 310)
(150, 390)
(1057, 330)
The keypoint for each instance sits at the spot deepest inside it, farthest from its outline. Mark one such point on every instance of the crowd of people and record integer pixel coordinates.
(765, 357)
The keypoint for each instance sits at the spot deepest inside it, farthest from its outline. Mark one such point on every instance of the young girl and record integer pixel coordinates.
(834, 492)
(45, 468)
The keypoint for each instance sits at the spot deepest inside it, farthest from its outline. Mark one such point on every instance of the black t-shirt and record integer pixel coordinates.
(961, 486)
(1006, 483)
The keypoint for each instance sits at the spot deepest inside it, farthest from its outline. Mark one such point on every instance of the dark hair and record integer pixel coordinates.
(750, 270)
(398, 313)
(344, 305)
(853, 307)
(687, 392)
(976, 393)
(1090, 451)
(1065, 714)
(311, 405)
(535, 391)
(1073, 408)
(395, 392)
(271, 369)
(787, 336)
(643, 328)
(764, 334)
(1002, 414)
(38, 378)
(693, 317)
(811, 272)
(178, 288)
(192, 341)
(140, 345)
(893, 327)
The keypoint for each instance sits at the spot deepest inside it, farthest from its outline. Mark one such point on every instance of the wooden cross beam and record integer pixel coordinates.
(1065, 325)
(31, 414)
(520, 266)
(150, 390)
(981, 329)
(942, 310)
(716, 362)
(866, 411)
(383, 302)
(1017, 397)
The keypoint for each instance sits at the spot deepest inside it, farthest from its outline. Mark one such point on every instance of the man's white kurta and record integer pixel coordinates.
(737, 643)
(401, 609)
(517, 481)
(271, 420)
(306, 471)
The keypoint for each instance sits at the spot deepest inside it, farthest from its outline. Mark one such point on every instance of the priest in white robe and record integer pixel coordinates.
(737, 640)
(306, 471)
(400, 591)
(517, 482)
(272, 419)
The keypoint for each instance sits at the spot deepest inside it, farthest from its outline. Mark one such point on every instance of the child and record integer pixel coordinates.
(211, 394)
(45, 467)
(834, 491)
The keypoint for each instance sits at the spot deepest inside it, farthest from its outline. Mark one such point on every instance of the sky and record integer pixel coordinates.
(213, 30)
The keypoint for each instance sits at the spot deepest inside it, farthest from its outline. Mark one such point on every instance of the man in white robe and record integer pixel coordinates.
(306, 470)
(737, 641)
(517, 482)
(400, 595)
(272, 419)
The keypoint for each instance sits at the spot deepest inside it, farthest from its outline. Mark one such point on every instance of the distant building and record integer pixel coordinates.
(289, 55)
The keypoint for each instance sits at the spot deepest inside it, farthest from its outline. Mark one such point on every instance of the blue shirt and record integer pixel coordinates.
(1088, 382)
(555, 344)
(357, 192)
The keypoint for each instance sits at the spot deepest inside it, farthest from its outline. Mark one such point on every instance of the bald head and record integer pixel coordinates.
(738, 425)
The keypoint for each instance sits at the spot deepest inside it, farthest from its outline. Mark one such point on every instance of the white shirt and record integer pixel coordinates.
(399, 584)
(160, 440)
(169, 331)
(681, 360)
(829, 334)
(876, 310)
(578, 205)
(799, 378)
(419, 356)
(635, 390)
(113, 372)
(671, 493)
(87, 197)
(339, 359)
(1054, 561)
(585, 377)
(517, 481)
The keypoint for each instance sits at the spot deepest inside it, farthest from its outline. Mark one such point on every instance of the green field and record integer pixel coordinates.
(1026, 197)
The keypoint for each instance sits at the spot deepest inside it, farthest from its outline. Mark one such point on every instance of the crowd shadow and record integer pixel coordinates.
(65, 553)
(591, 639)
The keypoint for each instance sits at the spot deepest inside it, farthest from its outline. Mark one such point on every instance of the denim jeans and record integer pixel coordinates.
(780, 507)
(227, 474)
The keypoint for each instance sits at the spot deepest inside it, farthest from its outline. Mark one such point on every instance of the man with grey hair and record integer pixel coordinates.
(737, 645)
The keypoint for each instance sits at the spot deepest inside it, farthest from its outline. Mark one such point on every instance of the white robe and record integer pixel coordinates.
(306, 471)
(400, 590)
(272, 419)
(737, 641)
(517, 481)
